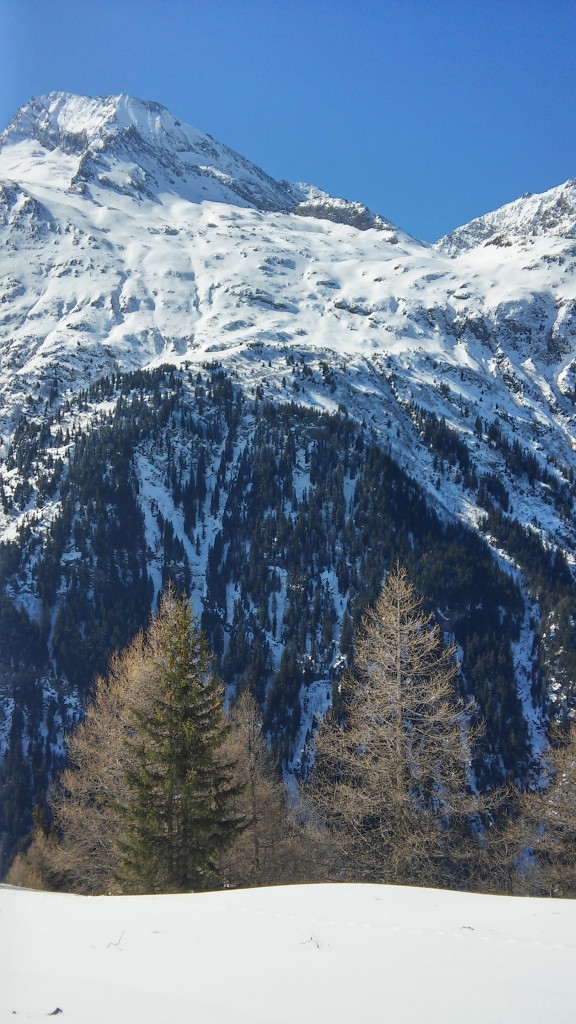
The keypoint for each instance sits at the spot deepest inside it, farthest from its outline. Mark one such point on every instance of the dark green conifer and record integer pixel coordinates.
(179, 819)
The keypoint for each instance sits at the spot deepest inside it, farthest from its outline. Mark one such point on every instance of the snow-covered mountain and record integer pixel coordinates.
(149, 238)
(532, 216)
(130, 241)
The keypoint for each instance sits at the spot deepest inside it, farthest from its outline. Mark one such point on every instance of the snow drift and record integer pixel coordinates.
(301, 954)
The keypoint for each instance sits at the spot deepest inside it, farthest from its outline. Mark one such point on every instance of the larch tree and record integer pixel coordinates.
(81, 852)
(548, 821)
(272, 848)
(179, 816)
(390, 783)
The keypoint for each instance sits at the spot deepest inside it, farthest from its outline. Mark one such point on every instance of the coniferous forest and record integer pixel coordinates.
(280, 524)
(167, 792)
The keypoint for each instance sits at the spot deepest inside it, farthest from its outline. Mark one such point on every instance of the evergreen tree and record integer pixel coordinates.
(179, 816)
(390, 780)
(144, 804)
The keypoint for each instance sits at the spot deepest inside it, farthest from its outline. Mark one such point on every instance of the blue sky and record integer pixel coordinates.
(431, 112)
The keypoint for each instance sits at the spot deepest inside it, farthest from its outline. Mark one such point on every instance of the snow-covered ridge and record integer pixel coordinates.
(59, 118)
(316, 203)
(169, 154)
(544, 214)
(130, 239)
(70, 122)
(123, 129)
(156, 152)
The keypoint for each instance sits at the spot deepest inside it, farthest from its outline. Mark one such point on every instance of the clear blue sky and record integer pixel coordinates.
(430, 111)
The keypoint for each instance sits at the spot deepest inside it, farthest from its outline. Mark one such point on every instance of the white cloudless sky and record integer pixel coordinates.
(431, 113)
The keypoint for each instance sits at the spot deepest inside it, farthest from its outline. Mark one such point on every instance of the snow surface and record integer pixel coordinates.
(288, 955)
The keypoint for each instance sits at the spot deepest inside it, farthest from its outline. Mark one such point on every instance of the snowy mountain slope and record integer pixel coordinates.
(306, 953)
(129, 241)
(103, 281)
(134, 147)
(522, 222)
(170, 275)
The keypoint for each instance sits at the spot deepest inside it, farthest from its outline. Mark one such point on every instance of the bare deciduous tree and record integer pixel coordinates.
(81, 853)
(391, 779)
(548, 822)
(265, 851)
(87, 799)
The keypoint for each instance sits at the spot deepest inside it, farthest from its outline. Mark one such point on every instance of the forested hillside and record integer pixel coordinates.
(281, 523)
(270, 397)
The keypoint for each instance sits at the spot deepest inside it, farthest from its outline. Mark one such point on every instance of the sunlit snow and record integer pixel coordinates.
(291, 955)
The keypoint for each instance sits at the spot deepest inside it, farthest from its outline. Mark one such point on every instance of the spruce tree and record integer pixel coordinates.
(179, 817)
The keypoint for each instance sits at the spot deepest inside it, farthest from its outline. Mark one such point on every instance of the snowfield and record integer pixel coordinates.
(290, 955)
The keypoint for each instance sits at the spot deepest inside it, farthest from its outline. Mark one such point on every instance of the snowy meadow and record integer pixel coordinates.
(287, 955)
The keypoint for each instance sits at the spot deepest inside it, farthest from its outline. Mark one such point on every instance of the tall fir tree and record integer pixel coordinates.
(179, 816)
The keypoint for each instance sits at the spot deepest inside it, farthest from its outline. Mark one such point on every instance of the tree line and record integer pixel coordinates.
(169, 790)
(289, 515)
(288, 518)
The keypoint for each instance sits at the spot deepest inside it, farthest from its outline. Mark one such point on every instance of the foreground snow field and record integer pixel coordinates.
(291, 955)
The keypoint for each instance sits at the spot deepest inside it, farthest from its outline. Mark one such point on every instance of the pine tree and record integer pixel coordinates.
(389, 784)
(179, 817)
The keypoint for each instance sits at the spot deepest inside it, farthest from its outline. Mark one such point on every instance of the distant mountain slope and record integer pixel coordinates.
(269, 394)
(135, 147)
(532, 216)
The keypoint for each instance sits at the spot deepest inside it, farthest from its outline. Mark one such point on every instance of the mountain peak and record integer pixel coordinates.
(551, 213)
(73, 123)
(138, 147)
